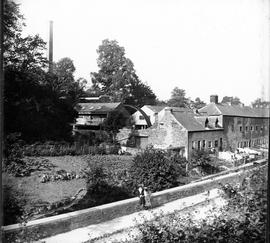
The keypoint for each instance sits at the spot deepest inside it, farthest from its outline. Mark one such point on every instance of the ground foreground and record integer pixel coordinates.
(32, 193)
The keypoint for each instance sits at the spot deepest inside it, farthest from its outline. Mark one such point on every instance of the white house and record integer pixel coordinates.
(153, 112)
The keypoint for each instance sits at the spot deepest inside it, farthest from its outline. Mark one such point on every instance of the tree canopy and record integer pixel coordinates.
(37, 104)
(117, 77)
(178, 98)
(232, 100)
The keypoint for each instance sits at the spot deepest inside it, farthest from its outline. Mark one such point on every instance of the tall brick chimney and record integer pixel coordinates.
(214, 99)
(51, 47)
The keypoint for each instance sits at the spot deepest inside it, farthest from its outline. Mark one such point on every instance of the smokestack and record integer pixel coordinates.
(51, 47)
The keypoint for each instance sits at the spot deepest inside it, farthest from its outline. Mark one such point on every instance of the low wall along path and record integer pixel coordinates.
(66, 222)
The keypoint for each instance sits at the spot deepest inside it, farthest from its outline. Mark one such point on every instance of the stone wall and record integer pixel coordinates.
(234, 136)
(70, 221)
(207, 136)
(168, 133)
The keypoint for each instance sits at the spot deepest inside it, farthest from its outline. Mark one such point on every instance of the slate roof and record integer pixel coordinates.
(192, 122)
(96, 108)
(233, 110)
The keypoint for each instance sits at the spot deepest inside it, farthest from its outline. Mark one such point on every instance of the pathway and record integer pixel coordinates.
(121, 224)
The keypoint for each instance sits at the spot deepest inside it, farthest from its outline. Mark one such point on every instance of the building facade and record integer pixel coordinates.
(243, 126)
(91, 116)
(182, 131)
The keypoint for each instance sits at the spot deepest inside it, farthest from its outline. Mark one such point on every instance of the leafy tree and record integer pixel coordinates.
(178, 98)
(161, 102)
(117, 77)
(199, 103)
(62, 81)
(32, 107)
(202, 159)
(114, 122)
(231, 99)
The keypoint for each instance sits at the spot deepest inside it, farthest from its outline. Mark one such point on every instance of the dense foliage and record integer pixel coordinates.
(178, 98)
(37, 104)
(156, 170)
(100, 188)
(243, 219)
(203, 160)
(117, 77)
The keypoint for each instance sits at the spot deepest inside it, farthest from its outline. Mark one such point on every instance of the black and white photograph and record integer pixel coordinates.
(135, 121)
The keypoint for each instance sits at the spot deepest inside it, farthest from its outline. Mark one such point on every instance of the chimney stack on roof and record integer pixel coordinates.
(214, 99)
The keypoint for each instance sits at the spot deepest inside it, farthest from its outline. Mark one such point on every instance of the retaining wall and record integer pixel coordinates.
(66, 222)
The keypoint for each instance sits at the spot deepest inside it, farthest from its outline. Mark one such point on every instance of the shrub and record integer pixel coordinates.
(99, 189)
(203, 160)
(155, 170)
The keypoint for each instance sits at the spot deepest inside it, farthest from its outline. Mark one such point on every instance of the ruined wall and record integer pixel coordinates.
(168, 133)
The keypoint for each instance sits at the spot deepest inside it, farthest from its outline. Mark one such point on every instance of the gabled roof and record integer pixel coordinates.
(233, 110)
(192, 122)
(95, 108)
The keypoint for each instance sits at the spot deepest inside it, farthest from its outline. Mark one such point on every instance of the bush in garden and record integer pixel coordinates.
(13, 156)
(155, 170)
(99, 189)
(203, 160)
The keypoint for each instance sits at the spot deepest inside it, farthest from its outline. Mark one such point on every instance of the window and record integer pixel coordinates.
(241, 145)
(256, 128)
(216, 143)
(251, 128)
(240, 128)
(209, 144)
(199, 145)
(261, 128)
(203, 143)
(238, 145)
(141, 117)
(245, 143)
(246, 128)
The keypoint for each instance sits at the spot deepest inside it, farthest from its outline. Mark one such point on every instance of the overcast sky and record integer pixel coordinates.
(203, 46)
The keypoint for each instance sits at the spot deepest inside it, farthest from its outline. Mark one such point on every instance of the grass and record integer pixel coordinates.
(37, 194)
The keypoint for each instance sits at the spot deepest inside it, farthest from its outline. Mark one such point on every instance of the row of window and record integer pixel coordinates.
(251, 143)
(251, 128)
(202, 144)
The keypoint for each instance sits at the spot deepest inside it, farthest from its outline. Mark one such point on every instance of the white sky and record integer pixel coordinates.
(203, 46)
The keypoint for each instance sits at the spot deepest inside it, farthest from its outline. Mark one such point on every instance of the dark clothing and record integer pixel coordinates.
(141, 196)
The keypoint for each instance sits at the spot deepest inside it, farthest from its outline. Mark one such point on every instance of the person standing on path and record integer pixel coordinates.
(147, 195)
(142, 196)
